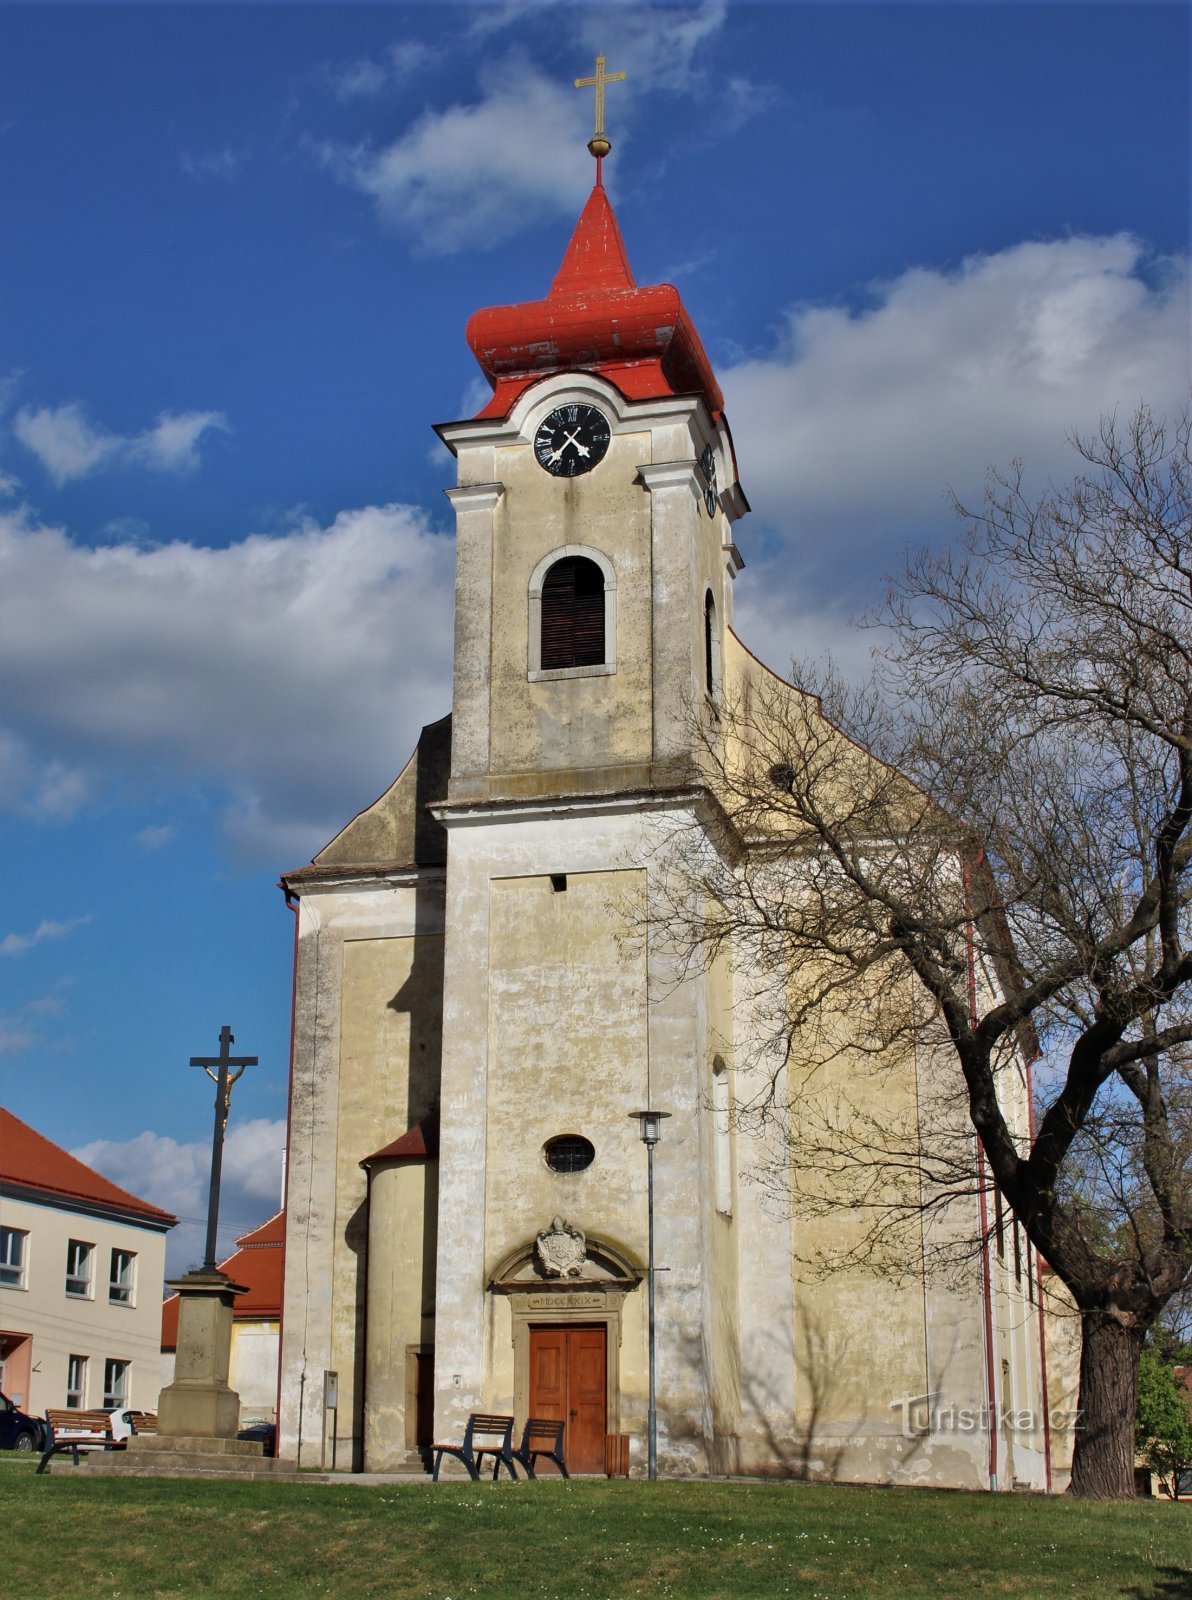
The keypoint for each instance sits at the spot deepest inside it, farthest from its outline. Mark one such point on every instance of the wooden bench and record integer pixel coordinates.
(541, 1437)
(145, 1423)
(481, 1425)
(75, 1430)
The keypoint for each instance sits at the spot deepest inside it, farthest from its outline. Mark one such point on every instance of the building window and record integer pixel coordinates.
(122, 1284)
(78, 1269)
(573, 615)
(568, 1152)
(710, 641)
(76, 1382)
(14, 1255)
(115, 1384)
(722, 1112)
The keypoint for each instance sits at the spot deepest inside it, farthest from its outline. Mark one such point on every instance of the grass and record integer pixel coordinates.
(138, 1539)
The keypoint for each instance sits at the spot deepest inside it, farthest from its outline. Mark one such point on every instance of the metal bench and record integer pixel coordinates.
(481, 1425)
(541, 1437)
(75, 1431)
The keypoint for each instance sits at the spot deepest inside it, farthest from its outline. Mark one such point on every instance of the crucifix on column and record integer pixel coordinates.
(220, 1070)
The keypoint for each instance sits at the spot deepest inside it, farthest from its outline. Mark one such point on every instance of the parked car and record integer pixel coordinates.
(18, 1431)
(266, 1432)
(124, 1422)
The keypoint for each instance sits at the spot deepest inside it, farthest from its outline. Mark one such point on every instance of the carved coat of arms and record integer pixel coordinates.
(562, 1249)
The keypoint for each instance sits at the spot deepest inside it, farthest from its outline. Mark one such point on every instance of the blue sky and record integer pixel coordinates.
(240, 247)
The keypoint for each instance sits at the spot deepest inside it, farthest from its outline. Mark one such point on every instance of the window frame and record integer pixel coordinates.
(79, 1390)
(535, 670)
(121, 1291)
(712, 668)
(115, 1367)
(14, 1274)
(722, 1144)
(87, 1279)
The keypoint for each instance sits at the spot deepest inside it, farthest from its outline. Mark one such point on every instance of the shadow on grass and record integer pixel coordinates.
(1171, 1583)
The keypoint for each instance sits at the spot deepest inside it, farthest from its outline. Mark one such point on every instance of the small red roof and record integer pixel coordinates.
(257, 1263)
(271, 1232)
(31, 1161)
(419, 1143)
(595, 319)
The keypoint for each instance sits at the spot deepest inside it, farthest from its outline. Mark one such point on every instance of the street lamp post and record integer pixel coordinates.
(650, 1125)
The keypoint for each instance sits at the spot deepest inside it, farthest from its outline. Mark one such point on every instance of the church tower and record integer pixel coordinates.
(594, 506)
(484, 994)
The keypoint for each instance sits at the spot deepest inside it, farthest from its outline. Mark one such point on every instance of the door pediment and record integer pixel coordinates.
(562, 1260)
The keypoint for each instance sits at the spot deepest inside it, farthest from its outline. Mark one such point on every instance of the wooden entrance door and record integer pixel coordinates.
(567, 1384)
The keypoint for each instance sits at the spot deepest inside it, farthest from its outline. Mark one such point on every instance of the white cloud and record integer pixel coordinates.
(15, 944)
(177, 1176)
(69, 445)
(291, 672)
(850, 429)
(41, 788)
(472, 175)
(64, 441)
(171, 445)
(49, 1005)
(224, 164)
(407, 57)
(13, 1042)
(156, 838)
(665, 47)
(359, 80)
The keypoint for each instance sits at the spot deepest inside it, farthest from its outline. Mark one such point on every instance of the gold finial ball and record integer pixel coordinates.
(599, 146)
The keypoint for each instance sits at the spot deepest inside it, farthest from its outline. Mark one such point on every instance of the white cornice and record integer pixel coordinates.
(334, 880)
(478, 813)
(475, 496)
(668, 475)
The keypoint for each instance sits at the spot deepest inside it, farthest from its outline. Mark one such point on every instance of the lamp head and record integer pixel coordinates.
(650, 1126)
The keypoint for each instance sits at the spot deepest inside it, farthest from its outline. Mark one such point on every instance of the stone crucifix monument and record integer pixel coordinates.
(199, 1404)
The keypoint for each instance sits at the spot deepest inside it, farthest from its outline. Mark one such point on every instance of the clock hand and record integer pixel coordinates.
(581, 448)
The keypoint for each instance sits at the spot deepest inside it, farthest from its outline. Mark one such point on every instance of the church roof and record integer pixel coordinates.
(34, 1165)
(596, 318)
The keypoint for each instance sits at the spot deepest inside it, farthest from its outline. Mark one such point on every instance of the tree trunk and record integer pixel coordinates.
(1103, 1461)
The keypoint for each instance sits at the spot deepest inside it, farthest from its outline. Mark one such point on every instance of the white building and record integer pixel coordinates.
(82, 1265)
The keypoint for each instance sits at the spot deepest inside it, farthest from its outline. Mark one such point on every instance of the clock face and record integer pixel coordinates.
(707, 465)
(571, 440)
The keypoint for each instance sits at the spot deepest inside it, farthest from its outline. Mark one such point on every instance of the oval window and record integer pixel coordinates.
(568, 1152)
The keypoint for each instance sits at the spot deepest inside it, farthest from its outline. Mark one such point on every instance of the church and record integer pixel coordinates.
(480, 1006)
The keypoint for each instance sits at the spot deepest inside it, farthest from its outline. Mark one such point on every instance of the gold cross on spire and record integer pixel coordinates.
(598, 144)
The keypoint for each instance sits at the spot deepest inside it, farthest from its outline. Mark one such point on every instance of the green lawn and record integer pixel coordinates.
(140, 1540)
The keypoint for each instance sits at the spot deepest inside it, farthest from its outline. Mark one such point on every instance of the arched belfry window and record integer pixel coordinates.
(573, 617)
(573, 614)
(711, 648)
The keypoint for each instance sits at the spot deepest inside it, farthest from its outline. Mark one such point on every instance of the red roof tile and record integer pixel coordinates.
(271, 1232)
(30, 1160)
(257, 1264)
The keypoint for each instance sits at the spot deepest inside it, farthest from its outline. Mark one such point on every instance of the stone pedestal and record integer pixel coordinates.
(199, 1403)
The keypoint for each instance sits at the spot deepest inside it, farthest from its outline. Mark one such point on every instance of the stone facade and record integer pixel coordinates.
(477, 978)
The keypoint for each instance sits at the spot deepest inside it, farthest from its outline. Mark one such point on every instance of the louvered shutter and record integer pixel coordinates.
(573, 614)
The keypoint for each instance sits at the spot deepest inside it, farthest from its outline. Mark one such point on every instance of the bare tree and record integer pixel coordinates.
(986, 849)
